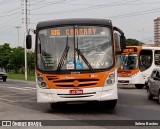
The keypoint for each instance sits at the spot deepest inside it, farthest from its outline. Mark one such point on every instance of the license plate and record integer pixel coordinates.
(75, 92)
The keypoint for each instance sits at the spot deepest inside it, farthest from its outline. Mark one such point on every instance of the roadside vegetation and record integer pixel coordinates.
(12, 60)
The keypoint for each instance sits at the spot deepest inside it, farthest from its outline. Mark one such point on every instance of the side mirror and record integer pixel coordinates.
(123, 41)
(29, 41)
(117, 43)
(120, 40)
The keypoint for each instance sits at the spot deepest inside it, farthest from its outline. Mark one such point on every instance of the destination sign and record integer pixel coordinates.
(78, 31)
(127, 50)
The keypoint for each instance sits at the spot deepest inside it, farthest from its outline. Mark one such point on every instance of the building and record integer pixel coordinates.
(157, 30)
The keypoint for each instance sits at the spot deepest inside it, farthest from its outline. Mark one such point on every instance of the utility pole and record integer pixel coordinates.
(139, 35)
(26, 32)
(18, 27)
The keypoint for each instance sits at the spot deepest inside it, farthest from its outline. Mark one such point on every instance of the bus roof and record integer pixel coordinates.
(73, 21)
(150, 48)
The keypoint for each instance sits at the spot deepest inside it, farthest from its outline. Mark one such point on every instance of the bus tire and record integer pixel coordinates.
(111, 104)
(139, 86)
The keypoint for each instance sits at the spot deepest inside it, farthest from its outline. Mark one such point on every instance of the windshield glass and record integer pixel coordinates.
(64, 48)
(127, 61)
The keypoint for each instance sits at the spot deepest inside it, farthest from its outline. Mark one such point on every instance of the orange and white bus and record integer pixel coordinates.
(128, 67)
(136, 63)
(75, 61)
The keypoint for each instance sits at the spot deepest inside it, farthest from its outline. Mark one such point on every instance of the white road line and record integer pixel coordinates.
(23, 88)
(18, 88)
(8, 95)
(30, 87)
(7, 100)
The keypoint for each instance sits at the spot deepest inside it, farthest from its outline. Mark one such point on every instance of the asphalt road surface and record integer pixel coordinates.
(18, 102)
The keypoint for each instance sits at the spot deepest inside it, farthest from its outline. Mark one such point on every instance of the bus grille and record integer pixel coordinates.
(76, 96)
(71, 82)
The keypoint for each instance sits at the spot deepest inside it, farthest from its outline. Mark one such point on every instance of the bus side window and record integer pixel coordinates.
(157, 57)
(146, 60)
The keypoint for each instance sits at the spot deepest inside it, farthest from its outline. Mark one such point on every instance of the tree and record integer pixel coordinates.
(5, 52)
(13, 58)
(133, 42)
(17, 59)
(30, 60)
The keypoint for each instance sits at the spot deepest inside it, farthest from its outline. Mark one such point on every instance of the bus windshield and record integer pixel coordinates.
(127, 61)
(74, 48)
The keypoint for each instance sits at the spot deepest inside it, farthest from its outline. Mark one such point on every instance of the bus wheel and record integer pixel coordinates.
(149, 96)
(111, 104)
(139, 86)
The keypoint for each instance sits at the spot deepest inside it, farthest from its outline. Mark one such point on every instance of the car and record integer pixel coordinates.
(153, 85)
(3, 74)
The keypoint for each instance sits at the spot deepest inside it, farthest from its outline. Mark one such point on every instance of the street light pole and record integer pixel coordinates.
(18, 27)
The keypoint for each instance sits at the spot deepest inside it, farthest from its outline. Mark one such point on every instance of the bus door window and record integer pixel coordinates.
(146, 59)
(157, 57)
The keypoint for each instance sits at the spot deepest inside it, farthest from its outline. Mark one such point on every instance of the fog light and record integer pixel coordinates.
(109, 81)
(43, 84)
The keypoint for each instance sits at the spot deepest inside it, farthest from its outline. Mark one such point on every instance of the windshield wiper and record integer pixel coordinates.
(63, 57)
(84, 59)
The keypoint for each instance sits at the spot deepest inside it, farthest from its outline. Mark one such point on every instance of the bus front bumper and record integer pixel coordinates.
(137, 79)
(89, 94)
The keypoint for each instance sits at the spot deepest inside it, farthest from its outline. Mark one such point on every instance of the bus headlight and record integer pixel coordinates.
(134, 75)
(111, 79)
(41, 82)
(40, 79)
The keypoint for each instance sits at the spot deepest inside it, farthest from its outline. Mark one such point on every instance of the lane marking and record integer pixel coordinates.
(8, 95)
(17, 88)
(7, 100)
(23, 88)
(30, 87)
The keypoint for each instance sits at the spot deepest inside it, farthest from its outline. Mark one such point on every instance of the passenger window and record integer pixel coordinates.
(157, 57)
(146, 60)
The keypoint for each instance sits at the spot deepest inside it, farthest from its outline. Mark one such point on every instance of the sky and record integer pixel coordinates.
(134, 17)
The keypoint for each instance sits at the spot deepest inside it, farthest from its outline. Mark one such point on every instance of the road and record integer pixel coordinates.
(18, 102)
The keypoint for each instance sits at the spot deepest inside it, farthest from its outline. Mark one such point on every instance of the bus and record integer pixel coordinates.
(136, 63)
(75, 61)
(128, 67)
(149, 59)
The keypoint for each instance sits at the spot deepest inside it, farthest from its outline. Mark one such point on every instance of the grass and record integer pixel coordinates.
(19, 76)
